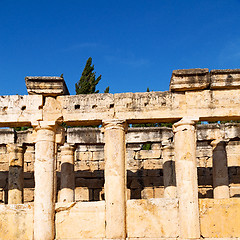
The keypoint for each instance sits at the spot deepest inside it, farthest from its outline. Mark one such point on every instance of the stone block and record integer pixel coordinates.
(46, 86)
(134, 164)
(28, 195)
(152, 164)
(147, 193)
(235, 191)
(189, 79)
(81, 194)
(98, 156)
(16, 221)
(89, 109)
(4, 158)
(147, 134)
(144, 218)
(25, 137)
(145, 154)
(29, 166)
(82, 220)
(219, 218)
(85, 135)
(84, 156)
(158, 192)
(232, 149)
(7, 136)
(16, 110)
(4, 166)
(225, 79)
(130, 154)
(82, 165)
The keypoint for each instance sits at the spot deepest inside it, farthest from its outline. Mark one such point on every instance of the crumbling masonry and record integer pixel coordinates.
(100, 183)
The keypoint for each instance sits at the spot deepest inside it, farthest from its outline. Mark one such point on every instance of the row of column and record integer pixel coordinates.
(115, 177)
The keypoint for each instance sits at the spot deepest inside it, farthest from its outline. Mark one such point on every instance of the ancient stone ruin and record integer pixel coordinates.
(77, 182)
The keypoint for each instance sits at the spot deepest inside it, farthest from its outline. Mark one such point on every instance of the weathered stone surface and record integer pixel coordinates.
(219, 218)
(24, 137)
(225, 79)
(46, 86)
(16, 222)
(82, 220)
(19, 110)
(148, 134)
(87, 108)
(7, 136)
(152, 107)
(213, 105)
(150, 173)
(84, 135)
(152, 218)
(189, 79)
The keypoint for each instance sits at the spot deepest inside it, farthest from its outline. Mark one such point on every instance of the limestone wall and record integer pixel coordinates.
(144, 167)
(115, 181)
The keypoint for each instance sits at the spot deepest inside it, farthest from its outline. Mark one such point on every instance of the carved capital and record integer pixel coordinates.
(114, 124)
(48, 131)
(67, 149)
(186, 123)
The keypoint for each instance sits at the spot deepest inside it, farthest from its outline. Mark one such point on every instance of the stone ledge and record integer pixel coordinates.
(46, 86)
(225, 79)
(189, 79)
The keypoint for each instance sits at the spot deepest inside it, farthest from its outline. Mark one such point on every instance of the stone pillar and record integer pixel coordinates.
(67, 174)
(169, 176)
(115, 178)
(15, 174)
(220, 170)
(186, 178)
(44, 205)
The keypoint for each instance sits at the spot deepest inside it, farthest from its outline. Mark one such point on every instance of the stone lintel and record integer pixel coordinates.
(225, 79)
(46, 86)
(189, 79)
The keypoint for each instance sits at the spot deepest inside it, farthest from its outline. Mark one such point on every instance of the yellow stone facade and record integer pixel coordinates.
(120, 182)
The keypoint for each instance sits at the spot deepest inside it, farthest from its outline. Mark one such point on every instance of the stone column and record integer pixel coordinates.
(186, 178)
(44, 205)
(115, 178)
(169, 176)
(220, 170)
(67, 173)
(15, 174)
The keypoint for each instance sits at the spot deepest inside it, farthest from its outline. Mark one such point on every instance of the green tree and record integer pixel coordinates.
(106, 90)
(88, 82)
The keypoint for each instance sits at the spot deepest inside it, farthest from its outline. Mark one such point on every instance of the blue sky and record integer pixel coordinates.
(134, 44)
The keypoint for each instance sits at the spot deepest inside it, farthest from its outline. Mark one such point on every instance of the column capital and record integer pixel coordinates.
(67, 147)
(56, 132)
(185, 122)
(114, 124)
(37, 125)
(218, 142)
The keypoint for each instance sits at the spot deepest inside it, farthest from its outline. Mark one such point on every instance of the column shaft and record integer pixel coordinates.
(67, 174)
(44, 205)
(169, 177)
(115, 179)
(220, 170)
(15, 174)
(186, 177)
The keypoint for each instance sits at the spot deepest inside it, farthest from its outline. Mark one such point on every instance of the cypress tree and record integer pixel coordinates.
(87, 83)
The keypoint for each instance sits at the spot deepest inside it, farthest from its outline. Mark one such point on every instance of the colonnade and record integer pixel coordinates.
(183, 166)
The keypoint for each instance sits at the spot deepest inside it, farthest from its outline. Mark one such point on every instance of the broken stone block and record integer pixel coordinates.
(189, 79)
